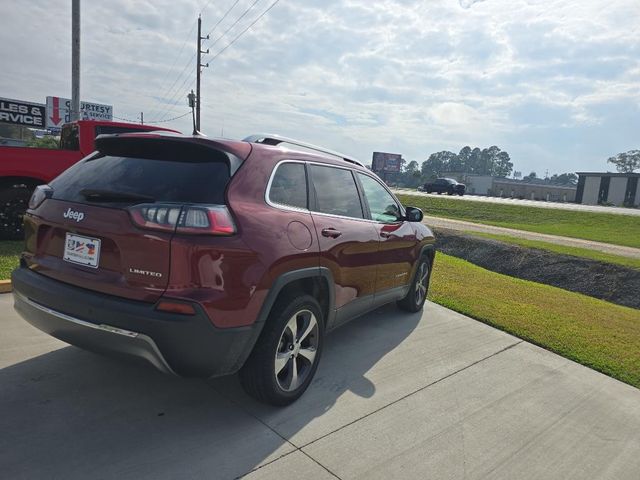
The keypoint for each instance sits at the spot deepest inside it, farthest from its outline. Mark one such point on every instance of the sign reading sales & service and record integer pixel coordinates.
(18, 112)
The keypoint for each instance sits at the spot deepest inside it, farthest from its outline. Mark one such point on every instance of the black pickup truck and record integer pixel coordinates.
(445, 185)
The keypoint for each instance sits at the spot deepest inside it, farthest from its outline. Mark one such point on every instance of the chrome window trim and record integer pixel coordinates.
(290, 208)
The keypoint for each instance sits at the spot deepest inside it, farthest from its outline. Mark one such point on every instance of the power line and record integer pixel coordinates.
(223, 17)
(171, 91)
(233, 24)
(177, 96)
(173, 101)
(244, 31)
(184, 69)
(175, 60)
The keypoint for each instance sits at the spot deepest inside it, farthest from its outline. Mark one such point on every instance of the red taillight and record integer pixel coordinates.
(156, 217)
(189, 219)
(175, 307)
(213, 220)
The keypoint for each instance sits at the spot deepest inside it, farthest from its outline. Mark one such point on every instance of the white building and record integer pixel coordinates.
(598, 188)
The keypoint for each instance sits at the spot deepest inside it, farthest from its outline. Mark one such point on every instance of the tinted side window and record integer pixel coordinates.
(382, 205)
(336, 191)
(289, 186)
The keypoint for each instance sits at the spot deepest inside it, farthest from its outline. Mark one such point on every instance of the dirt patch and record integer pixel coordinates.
(613, 283)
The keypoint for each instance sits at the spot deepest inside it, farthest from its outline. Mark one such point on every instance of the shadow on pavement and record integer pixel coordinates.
(72, 414)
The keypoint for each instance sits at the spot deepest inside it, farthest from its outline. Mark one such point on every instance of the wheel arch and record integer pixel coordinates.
(315, 281)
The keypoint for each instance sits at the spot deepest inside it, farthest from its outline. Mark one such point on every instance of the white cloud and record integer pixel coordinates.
(409, 76)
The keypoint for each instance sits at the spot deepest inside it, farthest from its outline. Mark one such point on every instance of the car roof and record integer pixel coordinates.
(242, 148)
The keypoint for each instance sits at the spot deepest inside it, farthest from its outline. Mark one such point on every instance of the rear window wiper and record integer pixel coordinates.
(98, 195)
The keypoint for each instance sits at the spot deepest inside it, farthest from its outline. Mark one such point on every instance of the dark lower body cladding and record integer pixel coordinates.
(186, 345)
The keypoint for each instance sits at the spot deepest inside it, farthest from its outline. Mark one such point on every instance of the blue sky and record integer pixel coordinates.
(555, 83)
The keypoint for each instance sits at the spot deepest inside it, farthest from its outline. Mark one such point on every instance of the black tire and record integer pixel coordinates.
(428, 191)
(415, 298)
(276, 347)
(14, 200)
(461, 193)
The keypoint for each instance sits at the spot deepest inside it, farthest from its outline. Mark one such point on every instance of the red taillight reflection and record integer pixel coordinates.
(188, 219)
(175, 307)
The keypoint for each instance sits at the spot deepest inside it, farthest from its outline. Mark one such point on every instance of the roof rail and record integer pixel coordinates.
(269, 139)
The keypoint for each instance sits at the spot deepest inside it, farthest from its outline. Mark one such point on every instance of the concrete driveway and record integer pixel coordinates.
(436, 395)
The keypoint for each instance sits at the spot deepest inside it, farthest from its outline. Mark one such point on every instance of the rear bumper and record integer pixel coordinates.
(186, 345)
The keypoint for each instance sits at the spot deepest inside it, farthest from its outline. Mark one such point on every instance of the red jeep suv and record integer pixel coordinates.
(205, 257)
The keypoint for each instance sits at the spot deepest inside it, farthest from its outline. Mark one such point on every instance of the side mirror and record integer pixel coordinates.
(414, 214)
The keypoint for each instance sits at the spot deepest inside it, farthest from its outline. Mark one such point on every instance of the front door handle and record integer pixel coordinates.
(331, 232)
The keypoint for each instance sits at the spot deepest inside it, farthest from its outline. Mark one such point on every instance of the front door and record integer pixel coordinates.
(397, 239)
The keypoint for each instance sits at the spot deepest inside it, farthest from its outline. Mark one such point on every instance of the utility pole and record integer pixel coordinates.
(75, 60)
(199, 66)
(141, 118)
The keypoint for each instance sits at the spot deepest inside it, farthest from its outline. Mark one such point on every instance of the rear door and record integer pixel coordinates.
(348, 242)
(85, 234)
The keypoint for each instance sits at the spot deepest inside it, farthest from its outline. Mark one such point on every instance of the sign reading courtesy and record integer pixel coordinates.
(59, 111)
(18, 112)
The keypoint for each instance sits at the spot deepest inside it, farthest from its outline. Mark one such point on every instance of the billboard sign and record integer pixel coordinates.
(386, 162)
(59, 112)
(17, 112)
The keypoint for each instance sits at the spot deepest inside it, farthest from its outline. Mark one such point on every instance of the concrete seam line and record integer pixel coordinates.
(318, 463)
(296, 448)
(265, 464)
(508, 347)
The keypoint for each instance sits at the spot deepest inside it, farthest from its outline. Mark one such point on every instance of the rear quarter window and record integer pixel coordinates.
(289, 185)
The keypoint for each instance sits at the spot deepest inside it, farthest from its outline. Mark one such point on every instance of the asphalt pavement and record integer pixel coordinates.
(526, 203)
(432, 395)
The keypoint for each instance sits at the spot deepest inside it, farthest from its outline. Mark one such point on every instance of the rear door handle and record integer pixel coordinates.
(385, 234)
(331, 232)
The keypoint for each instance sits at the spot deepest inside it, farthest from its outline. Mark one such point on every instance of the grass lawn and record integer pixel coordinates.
(595, 333)
(601, 227)
(563, 249)
(9, 257)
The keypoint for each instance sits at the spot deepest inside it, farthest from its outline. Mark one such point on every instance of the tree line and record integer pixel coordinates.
(492, 161)
(488, 161)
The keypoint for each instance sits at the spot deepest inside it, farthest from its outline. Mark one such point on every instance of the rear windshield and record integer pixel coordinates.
(163, 180)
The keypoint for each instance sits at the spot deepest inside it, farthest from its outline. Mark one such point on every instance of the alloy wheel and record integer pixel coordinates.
(297, 348)
(421, 283)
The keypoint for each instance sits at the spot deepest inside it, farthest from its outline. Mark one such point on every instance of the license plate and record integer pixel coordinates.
(82, 250)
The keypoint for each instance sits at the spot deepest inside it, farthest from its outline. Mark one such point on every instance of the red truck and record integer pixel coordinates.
(22, 169)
